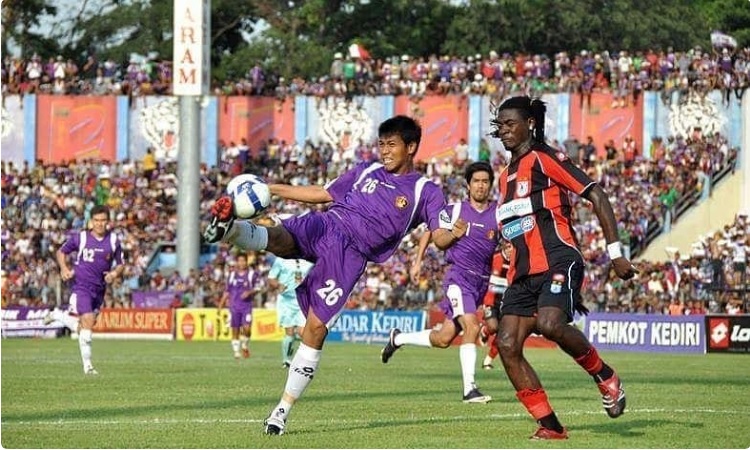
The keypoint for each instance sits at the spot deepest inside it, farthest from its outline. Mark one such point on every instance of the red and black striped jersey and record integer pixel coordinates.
(535, 209)
(500, 267)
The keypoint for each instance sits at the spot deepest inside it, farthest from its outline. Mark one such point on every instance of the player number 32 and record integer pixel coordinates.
(330, 293)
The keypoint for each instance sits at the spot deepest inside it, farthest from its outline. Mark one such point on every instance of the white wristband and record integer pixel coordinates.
(614, 250)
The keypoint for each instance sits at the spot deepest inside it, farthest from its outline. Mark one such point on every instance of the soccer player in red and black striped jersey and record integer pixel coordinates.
(546, 269)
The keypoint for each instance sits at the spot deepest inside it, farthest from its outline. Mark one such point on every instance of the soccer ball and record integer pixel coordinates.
(250, 195)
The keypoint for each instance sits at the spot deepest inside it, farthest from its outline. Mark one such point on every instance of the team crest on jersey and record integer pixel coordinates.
(401, 202)
(491, 234)
(561, 156)
(522, 187)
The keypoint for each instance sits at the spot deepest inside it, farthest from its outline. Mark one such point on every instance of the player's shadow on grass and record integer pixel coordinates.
(672, 379)
(629, 428)
(150, 411)
(390, 423)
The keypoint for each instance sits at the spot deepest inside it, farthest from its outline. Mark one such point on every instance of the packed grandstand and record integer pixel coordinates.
(43, 202)
(626, 75)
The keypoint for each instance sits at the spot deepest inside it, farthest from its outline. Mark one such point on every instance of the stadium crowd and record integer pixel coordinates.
(623, 73)
(41, 204)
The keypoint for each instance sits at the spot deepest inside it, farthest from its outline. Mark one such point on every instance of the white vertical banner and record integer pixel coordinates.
(192, 47)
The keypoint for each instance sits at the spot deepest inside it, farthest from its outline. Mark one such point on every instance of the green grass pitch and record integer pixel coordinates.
(195, 395)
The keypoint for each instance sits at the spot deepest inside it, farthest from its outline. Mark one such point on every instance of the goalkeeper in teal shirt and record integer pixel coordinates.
(284, 277)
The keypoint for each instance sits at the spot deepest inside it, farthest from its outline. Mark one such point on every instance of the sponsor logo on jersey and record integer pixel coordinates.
(401, 202)
(518, 227)
(514, 208)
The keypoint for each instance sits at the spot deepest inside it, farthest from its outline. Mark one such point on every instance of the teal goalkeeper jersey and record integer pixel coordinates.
(290, 273)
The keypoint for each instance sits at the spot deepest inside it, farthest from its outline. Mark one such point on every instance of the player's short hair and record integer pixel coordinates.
(479, 166)
(100, 209)
(404, 127)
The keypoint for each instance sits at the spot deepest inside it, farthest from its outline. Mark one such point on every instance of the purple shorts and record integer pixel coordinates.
(86, 301)
(464, 292)
(337, 264)
(241, 315)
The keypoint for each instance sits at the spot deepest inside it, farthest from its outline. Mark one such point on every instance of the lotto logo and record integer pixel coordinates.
(719, 332)
(740, 334)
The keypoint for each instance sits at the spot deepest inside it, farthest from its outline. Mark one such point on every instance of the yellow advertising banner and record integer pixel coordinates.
(266, 326)
(206, 324)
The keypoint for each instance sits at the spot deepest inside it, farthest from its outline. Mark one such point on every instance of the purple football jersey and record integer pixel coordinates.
(377, 208)
(239, 282)
(473, 252)
(94, 257)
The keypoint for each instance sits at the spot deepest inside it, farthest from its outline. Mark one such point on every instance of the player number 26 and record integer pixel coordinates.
(369, 186)
(330, 293)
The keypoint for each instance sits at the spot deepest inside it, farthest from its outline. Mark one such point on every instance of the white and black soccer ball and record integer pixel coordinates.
(250, 195)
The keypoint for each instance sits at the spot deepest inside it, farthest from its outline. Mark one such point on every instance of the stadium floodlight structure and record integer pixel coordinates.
(191, 73)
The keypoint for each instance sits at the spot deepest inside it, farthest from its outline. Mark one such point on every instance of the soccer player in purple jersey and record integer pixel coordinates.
(372, 207)
(470, 242)
(98, 262)
(242, 285)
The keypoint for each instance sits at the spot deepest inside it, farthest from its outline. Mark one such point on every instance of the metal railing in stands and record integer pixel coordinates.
(681, 206)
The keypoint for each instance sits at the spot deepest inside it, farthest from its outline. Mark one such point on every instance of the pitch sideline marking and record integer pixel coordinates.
(158, 421)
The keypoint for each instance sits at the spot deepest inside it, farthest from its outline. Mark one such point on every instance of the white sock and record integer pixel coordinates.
(243, 341)
(281, 410)
(420, 338)
(301, 372)
(236, 345)
(467, 353)
(84, 344)
(487, 361)
(247, 235)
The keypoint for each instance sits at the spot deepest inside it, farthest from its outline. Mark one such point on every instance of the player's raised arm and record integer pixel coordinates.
(306, 194)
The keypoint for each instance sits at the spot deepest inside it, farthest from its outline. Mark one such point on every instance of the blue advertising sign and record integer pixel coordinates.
(646, 332)
(373, 327)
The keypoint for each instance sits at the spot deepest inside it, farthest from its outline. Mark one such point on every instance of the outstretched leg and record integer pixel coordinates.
(552, 323)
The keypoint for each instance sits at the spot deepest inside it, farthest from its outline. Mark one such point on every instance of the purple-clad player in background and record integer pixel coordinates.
(242, 284)
(97, 262)
(473, 238)
(373, 207)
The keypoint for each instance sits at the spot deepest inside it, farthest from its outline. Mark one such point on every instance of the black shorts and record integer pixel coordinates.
(493, 311)
(560, 286)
